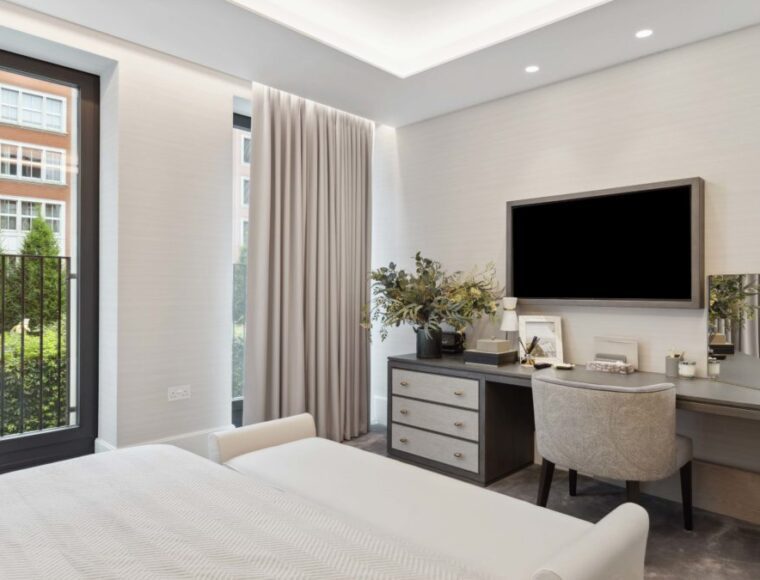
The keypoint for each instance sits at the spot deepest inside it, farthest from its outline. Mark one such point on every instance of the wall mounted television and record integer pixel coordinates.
(640, 246)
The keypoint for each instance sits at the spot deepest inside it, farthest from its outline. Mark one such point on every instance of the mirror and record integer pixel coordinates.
(733, 333)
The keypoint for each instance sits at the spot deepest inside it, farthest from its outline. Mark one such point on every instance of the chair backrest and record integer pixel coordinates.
(626, 433)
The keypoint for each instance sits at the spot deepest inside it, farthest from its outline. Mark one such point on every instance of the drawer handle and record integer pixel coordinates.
(403, 440)
(404, 384)
(458, 455)
(459, 393)
(404, 412)
(458, 423)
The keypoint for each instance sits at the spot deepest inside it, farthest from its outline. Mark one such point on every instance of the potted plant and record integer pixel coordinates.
(429, 298)
(729, 304)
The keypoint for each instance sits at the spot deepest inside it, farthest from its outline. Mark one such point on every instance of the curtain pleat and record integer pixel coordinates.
(309, 256)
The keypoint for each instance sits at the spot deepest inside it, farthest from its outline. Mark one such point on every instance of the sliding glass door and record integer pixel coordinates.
(48, 261)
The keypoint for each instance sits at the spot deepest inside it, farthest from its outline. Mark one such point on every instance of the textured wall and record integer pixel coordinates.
(442, 185)
(166, 230)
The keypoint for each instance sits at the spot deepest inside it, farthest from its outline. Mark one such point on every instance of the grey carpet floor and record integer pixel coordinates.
(719, 547)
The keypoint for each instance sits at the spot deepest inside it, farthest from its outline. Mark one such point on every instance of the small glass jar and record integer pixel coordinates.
(687, 369)
(713, 367)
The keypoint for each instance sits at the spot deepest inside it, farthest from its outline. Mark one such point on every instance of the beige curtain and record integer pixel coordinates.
(309, 252)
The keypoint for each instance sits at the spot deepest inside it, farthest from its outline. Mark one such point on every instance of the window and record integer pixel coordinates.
(8, 160)
(246, 188)
(32, 109)
(246, 149)
(16, 215)
(8, 105)
(32, 163)
(244, 233)
(8, 209)
(53, 217)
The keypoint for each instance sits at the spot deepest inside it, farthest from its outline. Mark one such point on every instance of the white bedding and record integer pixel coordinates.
(159, 512)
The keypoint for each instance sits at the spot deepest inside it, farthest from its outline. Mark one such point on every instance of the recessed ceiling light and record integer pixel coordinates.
(645, 33)
(532, 69)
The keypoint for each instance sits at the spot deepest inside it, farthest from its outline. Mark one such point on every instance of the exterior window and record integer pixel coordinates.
(32, 109)
(31, 163)
(29, 211)
(53, 217)
(8, 160)
(9, 105)
(246, 149)
(246, 191)
(244, 233)
(8, 211)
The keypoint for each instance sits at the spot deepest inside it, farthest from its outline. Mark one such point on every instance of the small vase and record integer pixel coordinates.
(428, 343)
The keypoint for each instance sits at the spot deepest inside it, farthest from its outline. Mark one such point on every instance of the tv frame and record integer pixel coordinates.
(697, 187)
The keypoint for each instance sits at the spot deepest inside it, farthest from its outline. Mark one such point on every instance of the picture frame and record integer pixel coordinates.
(548, 329)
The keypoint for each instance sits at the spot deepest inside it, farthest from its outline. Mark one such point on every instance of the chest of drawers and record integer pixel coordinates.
(458, 422)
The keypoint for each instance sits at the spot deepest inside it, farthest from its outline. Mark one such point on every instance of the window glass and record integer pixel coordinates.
(9, 105)
(53, 114)
(32, 109)
(53, 166)
(8, 215)
(8, 160)
(31, 163)
(246, 149)
(246, 191)
(29, 211)
(53, 217)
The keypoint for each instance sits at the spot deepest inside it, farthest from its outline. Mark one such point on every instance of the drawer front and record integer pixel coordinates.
(439, 448)
(436, 388)
(457, 422)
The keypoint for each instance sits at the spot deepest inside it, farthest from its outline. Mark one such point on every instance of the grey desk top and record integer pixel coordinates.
(698, 391)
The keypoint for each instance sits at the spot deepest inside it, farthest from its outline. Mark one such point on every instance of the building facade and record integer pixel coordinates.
(38, 159)
(241, 189)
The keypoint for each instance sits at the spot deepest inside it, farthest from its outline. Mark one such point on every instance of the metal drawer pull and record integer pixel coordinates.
(458, 423)
(459, 393)
(458, 455)
(404, 412)
(404, 384)
(403, 440)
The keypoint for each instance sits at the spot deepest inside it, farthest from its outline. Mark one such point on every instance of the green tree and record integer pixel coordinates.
(40, 273)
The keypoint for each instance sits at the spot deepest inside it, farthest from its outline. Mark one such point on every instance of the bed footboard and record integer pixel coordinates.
(225, 445)
(613, 549)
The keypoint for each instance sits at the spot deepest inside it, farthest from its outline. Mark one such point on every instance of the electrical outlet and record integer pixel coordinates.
(179, 393)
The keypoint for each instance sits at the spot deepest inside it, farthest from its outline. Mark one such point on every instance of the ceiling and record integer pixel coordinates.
(406, 37)
(226, 37)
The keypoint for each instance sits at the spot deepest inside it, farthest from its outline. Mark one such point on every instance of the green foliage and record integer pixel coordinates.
(728, 298)
(430, 297)
(45, 381)
(239, 284)
(42, 275)
(238, 364)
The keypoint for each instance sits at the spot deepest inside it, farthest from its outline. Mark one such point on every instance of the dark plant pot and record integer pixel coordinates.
(428, 343)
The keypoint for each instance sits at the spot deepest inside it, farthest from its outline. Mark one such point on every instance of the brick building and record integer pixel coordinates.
(38, 158)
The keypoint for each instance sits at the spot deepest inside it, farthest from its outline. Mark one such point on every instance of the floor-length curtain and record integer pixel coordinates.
(309, 252)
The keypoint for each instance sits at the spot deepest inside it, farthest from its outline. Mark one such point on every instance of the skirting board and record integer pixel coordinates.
(195, 441)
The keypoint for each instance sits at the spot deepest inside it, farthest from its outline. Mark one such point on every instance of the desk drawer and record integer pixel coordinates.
(436, 447)
(448, 420)
(436, 388)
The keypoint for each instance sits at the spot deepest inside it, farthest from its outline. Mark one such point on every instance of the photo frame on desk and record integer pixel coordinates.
(548, 329)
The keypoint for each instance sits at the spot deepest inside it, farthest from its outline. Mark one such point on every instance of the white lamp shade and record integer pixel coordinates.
(509, 303)
(509, 321)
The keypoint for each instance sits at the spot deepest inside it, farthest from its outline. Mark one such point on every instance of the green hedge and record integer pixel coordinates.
(45, 381)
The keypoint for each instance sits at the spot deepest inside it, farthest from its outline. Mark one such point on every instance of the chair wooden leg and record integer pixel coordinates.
(547, 472)
(573, 477)
(632, 491)
(688, 520)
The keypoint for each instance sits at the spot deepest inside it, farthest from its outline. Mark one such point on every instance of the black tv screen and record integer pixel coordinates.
(627, 246)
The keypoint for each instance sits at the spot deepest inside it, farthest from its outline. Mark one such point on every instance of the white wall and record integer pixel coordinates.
(165, 231)
(441, 186)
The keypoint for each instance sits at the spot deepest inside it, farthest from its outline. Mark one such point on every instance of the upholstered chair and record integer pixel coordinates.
(623, 433)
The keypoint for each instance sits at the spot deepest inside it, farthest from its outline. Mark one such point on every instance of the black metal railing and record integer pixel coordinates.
(35, 298)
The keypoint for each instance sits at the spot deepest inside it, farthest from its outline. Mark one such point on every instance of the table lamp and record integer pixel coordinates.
(509, 316)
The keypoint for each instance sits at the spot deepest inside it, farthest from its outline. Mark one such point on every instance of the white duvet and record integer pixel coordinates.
(159, 512)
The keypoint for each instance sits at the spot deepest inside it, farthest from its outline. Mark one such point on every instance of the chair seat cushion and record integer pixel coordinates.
(493, 533)
(684, 451)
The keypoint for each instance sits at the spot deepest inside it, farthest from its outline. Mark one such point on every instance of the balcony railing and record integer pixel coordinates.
(35, 299)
